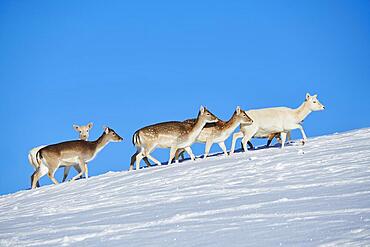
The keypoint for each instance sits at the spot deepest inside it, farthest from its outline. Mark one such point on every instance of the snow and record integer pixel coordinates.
(312, 195)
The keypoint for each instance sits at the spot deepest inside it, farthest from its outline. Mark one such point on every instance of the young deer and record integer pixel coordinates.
(218, 132)
(51, 157)
(277, 120)
(83, 134)
(171, 135)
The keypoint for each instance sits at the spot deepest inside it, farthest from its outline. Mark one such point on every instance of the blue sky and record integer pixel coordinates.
(130, 64)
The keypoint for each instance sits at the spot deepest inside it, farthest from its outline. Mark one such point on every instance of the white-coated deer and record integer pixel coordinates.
(218, 132)
(277, 120)
(51, 157)
(173, 135)
(83, 131)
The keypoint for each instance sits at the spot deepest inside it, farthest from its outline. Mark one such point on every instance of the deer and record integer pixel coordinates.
(277, 120)
(51, 157)
(83, 131)
(172, 135)
(218, 132)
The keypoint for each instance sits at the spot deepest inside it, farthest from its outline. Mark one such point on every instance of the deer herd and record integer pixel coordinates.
(178, 136)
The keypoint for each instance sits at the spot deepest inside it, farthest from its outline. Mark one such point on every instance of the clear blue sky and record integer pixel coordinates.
(130, 64)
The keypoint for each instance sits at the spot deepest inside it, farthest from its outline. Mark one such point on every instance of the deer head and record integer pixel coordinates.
(206, 116)
(242, 116)
(111, 135)
(83, 130)
(313, 103)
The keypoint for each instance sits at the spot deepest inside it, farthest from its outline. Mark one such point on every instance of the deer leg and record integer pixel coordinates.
(154, 160)
(78, 169)
(206, 150)
(245, 139)
(147, 154)
(86, 171)
(270, 138)
(223, 147)
(179, 152)
(249, 144)
(35, 179)
(51, 176)
(283, 138)
(65, 174)
(39, 173)
(139, 157)
(172, 154)
(147, 162)
(289, 138)
(236, 136)
(32, 178)
(82, 166)
(133, 158)
(190, 152)
(52, 167)
(298, 126)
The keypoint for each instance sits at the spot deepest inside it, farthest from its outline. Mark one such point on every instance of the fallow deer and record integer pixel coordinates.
(218, 132)
(173, 135)
(51, 157)
(83, 134)
(277, 120)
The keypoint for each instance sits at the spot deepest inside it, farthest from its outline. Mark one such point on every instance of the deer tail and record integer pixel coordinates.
(136, 139)
(38, 158)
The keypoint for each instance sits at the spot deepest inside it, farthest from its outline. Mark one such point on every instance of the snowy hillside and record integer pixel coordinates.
(317, 194)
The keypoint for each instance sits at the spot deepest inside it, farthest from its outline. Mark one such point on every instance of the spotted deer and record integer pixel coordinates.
(277, 120)
(218, 132)
(68, 153)
(173, 135)
(83, 131)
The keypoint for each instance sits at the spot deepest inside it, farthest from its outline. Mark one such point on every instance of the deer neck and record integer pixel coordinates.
(232, 124)
(197, 128)
(302, 111)
(100, 143)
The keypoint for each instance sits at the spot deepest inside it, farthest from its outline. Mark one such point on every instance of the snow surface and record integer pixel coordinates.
(312, 195)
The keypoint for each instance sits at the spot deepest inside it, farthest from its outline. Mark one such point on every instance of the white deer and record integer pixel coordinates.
(277, 120)
(83, 131)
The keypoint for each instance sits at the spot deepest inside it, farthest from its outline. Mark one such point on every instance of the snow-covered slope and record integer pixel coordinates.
(317, 194)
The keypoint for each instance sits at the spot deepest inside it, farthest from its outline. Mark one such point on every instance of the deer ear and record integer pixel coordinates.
(106, 130)
(315, 96)
(308, 96)
(238, 110)
(202, 109)
(76, 127)
(90, 125)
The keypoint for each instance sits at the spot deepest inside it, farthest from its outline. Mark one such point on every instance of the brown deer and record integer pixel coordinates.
(218, 132)
(51, 157)
(83, 131)
(173, 135)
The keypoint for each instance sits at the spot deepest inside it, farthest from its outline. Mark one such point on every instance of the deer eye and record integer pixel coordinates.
(314, 101)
